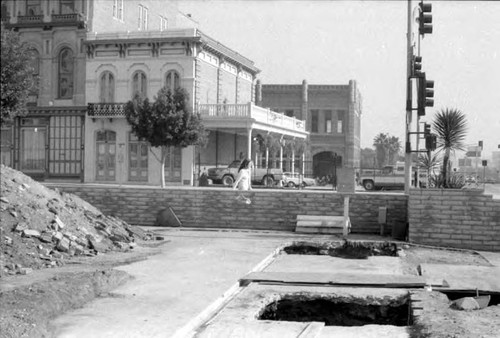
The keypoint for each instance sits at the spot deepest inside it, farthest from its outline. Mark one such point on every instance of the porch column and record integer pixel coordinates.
(249, 144)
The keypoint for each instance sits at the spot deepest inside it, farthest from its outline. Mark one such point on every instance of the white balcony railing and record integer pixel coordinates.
(249, 111)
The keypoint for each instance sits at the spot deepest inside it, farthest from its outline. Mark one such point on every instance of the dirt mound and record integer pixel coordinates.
(44, 228)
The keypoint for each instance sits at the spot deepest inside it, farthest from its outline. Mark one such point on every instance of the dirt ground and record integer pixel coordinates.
(58, 253)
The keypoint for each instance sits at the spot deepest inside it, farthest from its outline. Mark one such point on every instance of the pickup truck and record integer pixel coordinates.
(389, 177)
(228, 175)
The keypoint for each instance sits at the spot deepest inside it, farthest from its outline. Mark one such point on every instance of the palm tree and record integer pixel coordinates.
(393, 148)
(450, 126)
(429, 163)
(380, 143)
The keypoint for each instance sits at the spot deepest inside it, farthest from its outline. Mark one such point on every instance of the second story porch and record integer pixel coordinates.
(235, 117)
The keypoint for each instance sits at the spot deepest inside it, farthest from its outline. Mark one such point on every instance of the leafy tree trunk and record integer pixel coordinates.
(444, 170)
(164, 150)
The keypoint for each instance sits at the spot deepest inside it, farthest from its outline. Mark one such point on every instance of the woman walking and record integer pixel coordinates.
(244, 180)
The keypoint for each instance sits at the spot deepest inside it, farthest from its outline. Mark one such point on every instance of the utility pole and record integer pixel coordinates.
(409, 56)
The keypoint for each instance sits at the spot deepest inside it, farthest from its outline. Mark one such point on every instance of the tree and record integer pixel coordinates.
(450, 126)
(167, 122)
(429, 162)
(17, 76)
(393, 148)
(367, 158)
(380, 142)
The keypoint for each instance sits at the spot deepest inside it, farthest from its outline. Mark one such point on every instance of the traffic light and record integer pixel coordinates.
(425, 94)
(481, 144)
(424, 19)
(416, 68)
(431, 142)
(427, 129)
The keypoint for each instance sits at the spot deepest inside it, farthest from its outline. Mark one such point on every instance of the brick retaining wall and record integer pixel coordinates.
(217, 207)
(464, 219)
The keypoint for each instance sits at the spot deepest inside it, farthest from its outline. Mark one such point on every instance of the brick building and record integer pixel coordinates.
(332, 114)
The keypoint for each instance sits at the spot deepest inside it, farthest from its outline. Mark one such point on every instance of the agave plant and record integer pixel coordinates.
(450, 125)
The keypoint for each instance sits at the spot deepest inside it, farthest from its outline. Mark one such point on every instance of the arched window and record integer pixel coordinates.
(139, 85)
(107, 88)
(35, 65)
(33, 7)
(66, 65)
(172, 80)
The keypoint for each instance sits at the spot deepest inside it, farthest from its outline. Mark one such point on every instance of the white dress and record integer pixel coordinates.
(243, 180)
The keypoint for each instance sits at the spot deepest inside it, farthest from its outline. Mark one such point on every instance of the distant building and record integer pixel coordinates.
(332, 114)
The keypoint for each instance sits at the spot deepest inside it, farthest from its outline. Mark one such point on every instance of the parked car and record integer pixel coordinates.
(296, 179)
(228, 175)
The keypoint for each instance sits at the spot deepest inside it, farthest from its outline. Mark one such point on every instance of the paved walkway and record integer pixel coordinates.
(171, 288)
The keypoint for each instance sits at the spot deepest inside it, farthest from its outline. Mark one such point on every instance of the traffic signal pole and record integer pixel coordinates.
(409, 53)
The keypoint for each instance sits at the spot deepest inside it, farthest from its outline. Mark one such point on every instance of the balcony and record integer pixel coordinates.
(45, 22)
(106, 110)
(249, 113)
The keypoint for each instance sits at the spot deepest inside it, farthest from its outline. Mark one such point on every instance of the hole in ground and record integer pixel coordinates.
(453, 295)
(338, 312)
(352, 250)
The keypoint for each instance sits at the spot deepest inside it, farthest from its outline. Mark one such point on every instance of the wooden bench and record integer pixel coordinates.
(309, 224)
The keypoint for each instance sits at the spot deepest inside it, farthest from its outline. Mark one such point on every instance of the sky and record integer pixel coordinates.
(332, 42)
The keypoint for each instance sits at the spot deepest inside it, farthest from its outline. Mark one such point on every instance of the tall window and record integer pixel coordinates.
(66, 74)
(143, 18)
(139, 85)
(66, 6)
(35, 64)
(314, 121)
(328, 121)
(340, 121)
(118, 9)
(33, 7)
(172, 80)
(107, 88)
(163, 23)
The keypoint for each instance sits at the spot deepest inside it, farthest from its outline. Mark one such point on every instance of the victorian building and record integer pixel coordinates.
(92, 56)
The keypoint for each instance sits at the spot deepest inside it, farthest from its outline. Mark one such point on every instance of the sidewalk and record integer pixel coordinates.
(173, 287)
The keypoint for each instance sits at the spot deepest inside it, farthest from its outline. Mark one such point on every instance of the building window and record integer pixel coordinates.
(328, 121)
(340, 121)
(66, 6)
(118, 9)
(33, 7)
(5, 146)
(139, 85)
(172, 80)
(66, 74)
(143, 18)
(163, 23)
(314, 121)
(107, 88)
(35, 65)
(138, 159)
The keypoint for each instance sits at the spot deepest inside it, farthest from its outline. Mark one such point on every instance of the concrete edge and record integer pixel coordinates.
(189, 330)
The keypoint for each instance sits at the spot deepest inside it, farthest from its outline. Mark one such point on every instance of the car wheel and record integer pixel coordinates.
(291, 185)
(368, 185)
(228, 180)
(303, 184)
(268, 181)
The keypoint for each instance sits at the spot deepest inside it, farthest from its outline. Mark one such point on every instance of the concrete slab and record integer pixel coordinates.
(325, 263)
(492, 257)
(239, 317)
(366, 331)
(334, 278)
(170, 288)
(464, 277)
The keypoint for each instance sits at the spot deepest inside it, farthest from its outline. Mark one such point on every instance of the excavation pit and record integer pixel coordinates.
(347, 249)
(339, 312)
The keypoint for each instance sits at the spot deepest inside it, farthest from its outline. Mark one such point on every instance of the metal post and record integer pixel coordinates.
(409, 53)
